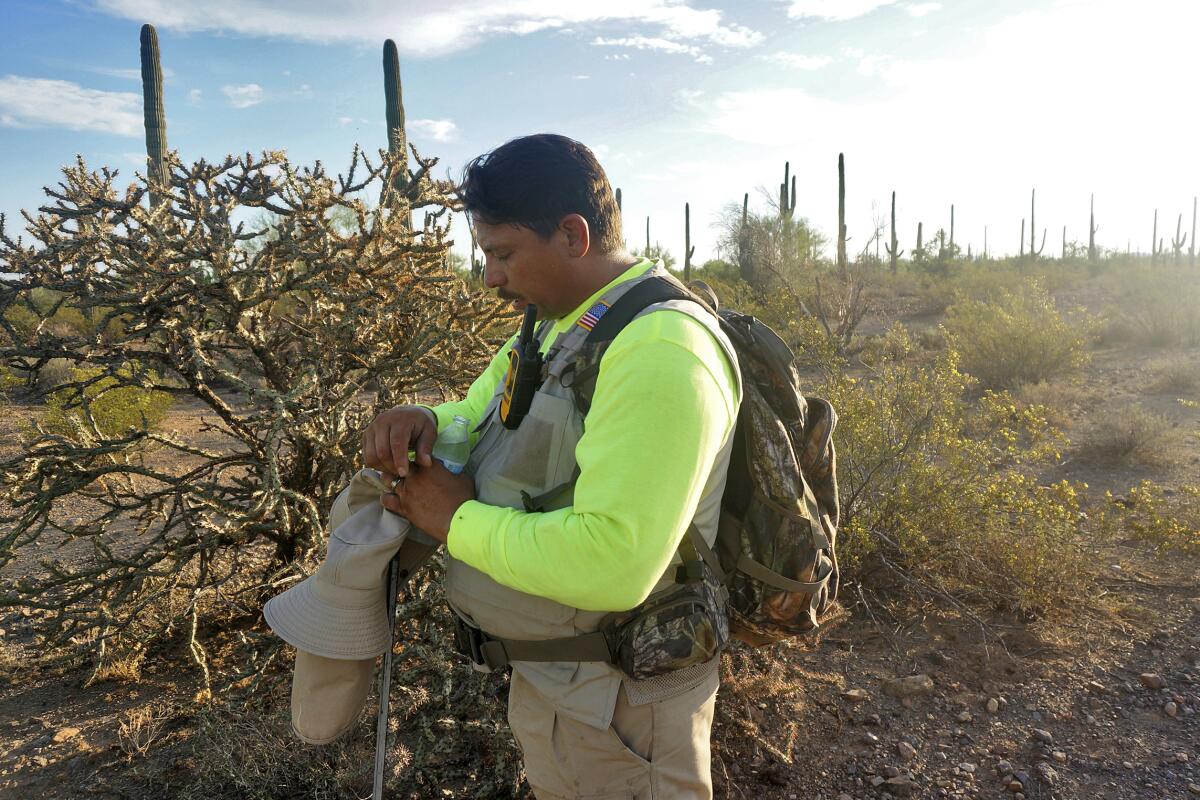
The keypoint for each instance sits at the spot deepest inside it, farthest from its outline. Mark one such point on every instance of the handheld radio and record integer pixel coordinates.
(524, 373)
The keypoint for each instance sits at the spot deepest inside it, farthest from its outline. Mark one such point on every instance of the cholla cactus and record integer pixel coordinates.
(290, 332)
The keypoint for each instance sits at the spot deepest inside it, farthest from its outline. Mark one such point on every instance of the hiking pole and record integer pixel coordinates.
(385, 679)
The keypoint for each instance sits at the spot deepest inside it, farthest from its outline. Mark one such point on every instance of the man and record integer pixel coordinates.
(564, 520)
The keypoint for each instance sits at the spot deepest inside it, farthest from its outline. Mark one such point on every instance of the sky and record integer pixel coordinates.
(961, 102)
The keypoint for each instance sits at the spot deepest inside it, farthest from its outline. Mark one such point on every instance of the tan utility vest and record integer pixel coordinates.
(536, 458)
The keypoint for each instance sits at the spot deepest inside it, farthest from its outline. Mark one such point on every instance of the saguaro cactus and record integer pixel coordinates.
(646, 252)
(1092, 228)
(1179, 241)
(688, 250)
(951, 227)
(1154, 241)
(397, 138)
(985, 242)
(1192, 248)
(154, 115)
(1022, 237)
(919, 253)
(893, 250)
(841, 242)
(787, 204)
(1064, 247)
(1034, 252)
(618, 199)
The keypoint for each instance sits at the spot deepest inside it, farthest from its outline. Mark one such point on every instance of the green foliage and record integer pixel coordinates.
(938, 488)
(113, 405)
(657, 252)
(1016, 337)
(1167, 520)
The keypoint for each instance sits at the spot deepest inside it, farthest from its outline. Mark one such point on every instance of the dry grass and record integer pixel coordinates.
(139, 730)
(1062, 399)
(1132, 436)
(1175, 376)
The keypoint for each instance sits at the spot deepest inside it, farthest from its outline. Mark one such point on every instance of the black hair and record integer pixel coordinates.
(535, 181)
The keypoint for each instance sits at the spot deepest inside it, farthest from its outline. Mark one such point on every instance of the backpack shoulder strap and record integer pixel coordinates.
(650, 291)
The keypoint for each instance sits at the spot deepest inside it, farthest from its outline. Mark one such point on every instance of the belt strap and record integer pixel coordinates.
(495, 652)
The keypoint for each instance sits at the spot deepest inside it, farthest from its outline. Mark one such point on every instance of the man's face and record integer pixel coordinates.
(524, 268)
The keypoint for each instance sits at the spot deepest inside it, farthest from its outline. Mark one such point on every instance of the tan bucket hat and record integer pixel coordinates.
(340, 611)
(328, 694)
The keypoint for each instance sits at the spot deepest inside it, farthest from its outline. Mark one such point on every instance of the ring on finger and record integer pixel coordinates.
(395, 482)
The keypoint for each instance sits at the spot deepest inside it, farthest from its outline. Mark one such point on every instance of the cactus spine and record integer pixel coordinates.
(688, 250)
(893, 249)
(154, 116)
(1092, 231)
(841, 242)
(393, 98)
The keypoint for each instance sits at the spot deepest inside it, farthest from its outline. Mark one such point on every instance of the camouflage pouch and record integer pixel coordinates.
(677, 628)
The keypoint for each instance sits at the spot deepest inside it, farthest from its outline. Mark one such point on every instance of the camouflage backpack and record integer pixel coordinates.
(775, 546)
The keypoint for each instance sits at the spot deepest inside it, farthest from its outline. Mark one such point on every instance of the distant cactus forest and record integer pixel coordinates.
(190, 356)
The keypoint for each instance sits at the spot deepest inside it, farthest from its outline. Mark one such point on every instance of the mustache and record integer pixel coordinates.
(509, 296)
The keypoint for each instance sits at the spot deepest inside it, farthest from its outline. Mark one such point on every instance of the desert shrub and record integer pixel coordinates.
(1167, 519)
(181, 529)
(937, 487)
(1016, 337)
(1176, 376)
(90, 403)
(1130, 435)
(788, 315)
(1059, 398)
(54, 373)
(1156, 307)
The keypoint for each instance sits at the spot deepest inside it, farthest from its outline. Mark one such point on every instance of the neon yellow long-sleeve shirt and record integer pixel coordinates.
(665, 401)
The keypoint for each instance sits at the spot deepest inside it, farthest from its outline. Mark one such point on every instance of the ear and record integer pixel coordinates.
(574, 229)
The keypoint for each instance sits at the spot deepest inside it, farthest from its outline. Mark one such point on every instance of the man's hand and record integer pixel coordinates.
(387, 440)
(428, 497)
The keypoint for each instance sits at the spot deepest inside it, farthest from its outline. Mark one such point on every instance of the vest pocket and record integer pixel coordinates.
(534, 457)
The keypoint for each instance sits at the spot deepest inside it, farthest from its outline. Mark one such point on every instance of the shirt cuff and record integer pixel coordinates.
(469, 530)
(437, 418)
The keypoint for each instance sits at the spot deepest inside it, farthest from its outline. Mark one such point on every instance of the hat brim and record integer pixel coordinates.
(308, 622)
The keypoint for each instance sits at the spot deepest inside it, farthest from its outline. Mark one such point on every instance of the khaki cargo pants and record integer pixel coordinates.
(656, 751)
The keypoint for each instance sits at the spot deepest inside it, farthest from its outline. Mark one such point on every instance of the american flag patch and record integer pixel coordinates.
(592, 316)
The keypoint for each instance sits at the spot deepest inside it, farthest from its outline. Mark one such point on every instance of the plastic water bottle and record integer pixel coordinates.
(453, 446)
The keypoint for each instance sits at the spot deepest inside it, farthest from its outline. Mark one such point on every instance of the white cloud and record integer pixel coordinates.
(422, 28)
(654, 43)
(194, 96)
(835, 10)
(343, 121)
(922, 9)
(243, 96)
(582, 77)
(798, 60)
(34, 102)
(439, 130)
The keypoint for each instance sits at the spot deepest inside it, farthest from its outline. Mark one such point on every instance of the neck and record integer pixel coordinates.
(594, 275)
